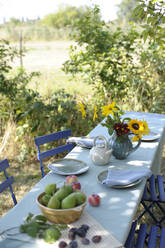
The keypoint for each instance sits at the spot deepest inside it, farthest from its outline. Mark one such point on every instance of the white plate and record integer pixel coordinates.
(151, 137)
(103, 175)
(68, 166)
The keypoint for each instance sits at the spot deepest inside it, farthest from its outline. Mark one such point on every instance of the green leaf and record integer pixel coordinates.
(29, 217)
(40, 219)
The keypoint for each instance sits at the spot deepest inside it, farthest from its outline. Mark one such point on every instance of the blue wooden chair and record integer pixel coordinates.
(41, 140)
(145, 236)
(153, 197)
(7, 183)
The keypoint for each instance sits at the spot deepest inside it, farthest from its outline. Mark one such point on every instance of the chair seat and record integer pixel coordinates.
(145, 236)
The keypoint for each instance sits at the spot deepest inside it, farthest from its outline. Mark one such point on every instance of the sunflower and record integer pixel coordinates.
(81, 108)
(109, 109)
(144, 128)
(95, 113)
(135, 126)
(136, 137)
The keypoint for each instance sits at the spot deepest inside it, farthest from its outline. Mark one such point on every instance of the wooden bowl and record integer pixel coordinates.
(61, 216)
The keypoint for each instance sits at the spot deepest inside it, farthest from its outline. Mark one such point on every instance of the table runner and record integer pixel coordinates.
(108, 240)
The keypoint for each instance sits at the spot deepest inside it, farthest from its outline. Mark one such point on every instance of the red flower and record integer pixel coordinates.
(121, 128)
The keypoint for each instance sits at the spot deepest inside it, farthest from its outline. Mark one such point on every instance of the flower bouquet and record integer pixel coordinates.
(120, 129)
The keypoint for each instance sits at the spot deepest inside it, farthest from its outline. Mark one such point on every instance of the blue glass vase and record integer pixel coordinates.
(122, 146)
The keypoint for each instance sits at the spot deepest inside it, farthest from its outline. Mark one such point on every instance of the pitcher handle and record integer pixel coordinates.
(134, 148)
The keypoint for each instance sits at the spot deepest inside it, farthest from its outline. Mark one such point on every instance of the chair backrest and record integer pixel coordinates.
(41, 140)
(7, 183)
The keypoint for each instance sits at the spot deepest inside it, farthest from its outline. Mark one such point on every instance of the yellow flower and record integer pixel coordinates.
(136, 137)
(144, 128)
(134, 126)
(81, 109)
(109, 109)
(95, 113)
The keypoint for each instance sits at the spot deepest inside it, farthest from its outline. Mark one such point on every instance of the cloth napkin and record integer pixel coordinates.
(125, 177)
(84, 141)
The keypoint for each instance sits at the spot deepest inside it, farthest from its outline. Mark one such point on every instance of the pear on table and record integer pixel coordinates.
(50, 188)
(64, 197)
(54, 202)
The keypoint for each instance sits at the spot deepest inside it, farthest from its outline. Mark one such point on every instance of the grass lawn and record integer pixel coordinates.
(47, 58)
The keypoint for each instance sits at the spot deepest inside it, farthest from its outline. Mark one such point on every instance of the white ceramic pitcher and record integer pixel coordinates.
(100, 154)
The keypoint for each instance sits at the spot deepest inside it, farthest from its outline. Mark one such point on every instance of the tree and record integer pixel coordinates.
(117, 63)
(126, 8)
(103, 57)
(65, 15)
(152, 12)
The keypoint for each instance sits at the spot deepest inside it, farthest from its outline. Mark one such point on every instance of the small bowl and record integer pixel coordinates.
(61, 216)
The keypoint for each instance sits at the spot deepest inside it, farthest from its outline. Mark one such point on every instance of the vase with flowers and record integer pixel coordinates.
(123, 131)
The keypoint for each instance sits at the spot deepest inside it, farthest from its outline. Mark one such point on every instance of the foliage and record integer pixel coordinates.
(126, 8)
(37, 226)
(152, 12)
(33, 114)
(115, 63)
(65, 15)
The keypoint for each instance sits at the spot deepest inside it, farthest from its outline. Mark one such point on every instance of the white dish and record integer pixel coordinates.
(68, 166)
(103, 175)
(151, 137)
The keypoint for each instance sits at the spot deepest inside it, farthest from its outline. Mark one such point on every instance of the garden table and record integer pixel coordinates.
(118, 206)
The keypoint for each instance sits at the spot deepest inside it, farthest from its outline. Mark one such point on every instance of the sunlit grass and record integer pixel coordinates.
(50, 81)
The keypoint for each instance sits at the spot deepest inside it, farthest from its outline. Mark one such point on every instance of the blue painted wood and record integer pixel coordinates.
(153, 196)
(145, 236)
(153, 236)
(141, 236)
(7, 183)
(153, 188)
(160, 183)
(162, 238)
(41, 140)
(130, 240)
(52, 137)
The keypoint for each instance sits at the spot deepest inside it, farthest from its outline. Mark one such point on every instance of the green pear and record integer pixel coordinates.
(50, 188)
(45, 199)
(69, 201)
(61, 193)
(54, 202)
(80, 198)
(68, 188)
